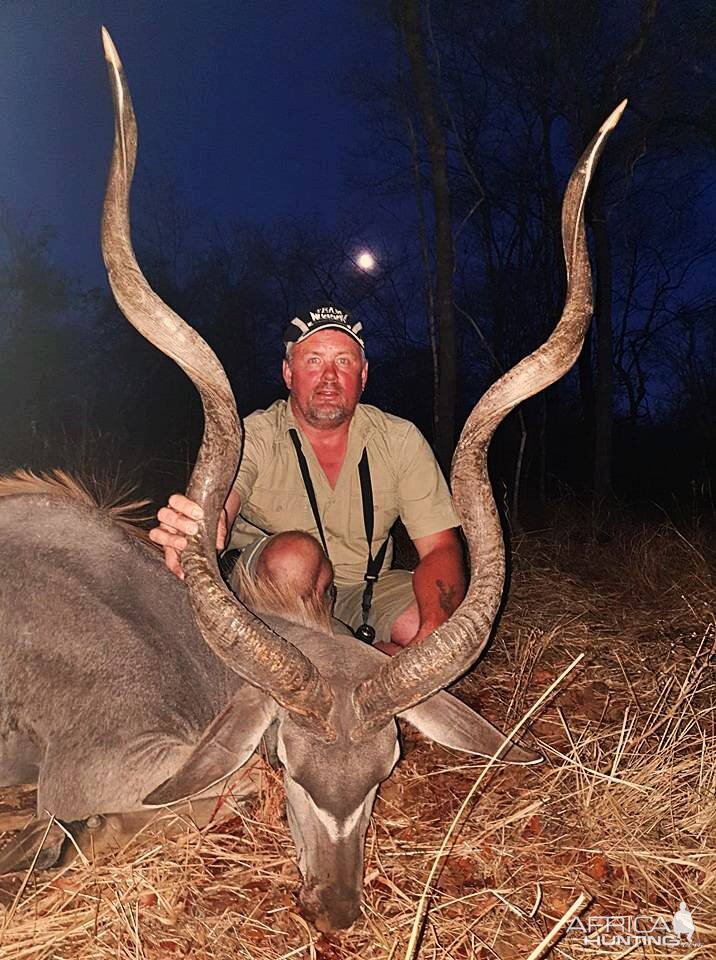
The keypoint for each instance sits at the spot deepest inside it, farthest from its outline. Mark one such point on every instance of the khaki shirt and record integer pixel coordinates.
(406, 480)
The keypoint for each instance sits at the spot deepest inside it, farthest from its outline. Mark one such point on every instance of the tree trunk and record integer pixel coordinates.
(604, 387)
(408, 15)
(586, 390)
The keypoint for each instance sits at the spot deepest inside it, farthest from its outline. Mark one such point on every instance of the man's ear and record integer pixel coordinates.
(363, 374)
(286, 370)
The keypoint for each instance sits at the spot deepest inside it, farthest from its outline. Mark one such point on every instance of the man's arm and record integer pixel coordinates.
(439, 580)
(439, 586)
(179, 519)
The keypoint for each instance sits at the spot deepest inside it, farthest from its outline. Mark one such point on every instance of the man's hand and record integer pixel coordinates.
(177, 521)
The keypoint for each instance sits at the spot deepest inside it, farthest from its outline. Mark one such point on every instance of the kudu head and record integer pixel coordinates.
(333, 701)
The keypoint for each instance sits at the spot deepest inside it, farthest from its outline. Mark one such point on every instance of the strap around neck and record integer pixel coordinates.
(374, 564)
(366, 488)
(308, 484)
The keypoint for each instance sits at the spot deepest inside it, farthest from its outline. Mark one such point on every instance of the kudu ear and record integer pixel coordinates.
(225, 746)
(447, 721)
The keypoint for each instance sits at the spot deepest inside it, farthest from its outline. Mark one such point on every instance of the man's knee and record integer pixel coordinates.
(405, 626)
(297, 559)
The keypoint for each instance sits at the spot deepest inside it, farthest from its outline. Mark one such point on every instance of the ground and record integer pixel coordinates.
(618, 822)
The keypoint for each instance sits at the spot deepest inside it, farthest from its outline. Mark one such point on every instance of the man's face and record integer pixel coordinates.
(326, 376)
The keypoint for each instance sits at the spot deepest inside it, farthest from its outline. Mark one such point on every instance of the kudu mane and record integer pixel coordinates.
(112, 501)
(261, 596)
(265, 596)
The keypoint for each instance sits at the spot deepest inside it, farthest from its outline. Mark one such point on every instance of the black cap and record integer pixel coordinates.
(325, 316)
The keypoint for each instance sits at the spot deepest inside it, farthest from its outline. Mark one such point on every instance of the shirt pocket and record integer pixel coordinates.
(276, 510)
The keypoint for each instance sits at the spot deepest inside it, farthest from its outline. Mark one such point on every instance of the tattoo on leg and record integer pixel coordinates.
(447, 593)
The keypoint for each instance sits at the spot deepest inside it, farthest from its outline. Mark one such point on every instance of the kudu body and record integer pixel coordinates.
(122, 687)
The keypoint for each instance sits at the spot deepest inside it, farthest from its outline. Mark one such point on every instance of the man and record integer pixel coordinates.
(301, 472)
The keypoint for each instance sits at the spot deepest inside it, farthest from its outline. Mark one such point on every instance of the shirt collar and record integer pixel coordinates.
(360, 429)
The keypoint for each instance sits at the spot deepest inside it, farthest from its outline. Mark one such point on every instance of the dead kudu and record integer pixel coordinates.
(123, 690)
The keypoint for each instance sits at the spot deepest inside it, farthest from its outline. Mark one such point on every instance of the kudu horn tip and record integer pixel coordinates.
(614, 117)
(110, 51)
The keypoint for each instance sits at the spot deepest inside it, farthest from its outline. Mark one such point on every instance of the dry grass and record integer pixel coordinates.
(622, 813)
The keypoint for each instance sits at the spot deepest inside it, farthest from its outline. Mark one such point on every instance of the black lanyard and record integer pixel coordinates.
(374, 564)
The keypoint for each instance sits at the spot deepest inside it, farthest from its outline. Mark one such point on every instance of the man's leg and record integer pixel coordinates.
(293, 559)
(394, 608)
(297, 559)
(405, 626)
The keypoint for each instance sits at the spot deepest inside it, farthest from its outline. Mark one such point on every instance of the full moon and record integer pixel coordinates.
(366, 261)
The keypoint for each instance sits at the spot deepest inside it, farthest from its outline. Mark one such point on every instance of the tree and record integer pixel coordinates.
(518, 96)
(37, 385)
(408, 16)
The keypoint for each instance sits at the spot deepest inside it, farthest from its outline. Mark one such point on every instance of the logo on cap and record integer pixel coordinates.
(323, 317)
(328, 314)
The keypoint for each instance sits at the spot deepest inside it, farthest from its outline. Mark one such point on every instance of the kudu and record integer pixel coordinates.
(122, 688)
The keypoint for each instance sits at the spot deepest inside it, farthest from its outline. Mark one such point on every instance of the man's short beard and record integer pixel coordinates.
(327, 416)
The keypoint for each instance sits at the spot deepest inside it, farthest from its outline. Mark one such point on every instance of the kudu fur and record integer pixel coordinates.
(122, 688)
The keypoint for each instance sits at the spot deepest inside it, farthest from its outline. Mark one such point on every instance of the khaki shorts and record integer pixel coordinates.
(392, 594)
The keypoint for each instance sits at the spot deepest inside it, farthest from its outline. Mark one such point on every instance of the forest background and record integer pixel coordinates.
(475, 124)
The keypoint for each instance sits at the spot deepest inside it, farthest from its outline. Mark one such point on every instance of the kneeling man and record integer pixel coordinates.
(322, 463)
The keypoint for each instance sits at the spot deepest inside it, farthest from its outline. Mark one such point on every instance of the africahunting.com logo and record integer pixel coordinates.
(656, 930)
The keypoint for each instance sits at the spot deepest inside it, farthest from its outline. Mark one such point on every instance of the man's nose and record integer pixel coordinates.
(329, 371)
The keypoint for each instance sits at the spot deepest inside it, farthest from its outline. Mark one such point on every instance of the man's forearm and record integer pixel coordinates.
(439, 586)
(232, 506)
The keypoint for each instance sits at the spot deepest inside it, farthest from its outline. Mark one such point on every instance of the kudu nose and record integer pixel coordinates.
(327, 911)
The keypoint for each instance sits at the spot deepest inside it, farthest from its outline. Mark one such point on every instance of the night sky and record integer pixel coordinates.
(241, 104)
